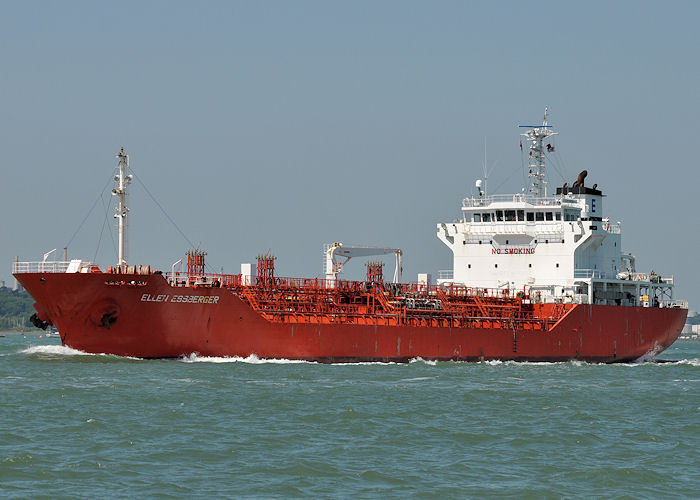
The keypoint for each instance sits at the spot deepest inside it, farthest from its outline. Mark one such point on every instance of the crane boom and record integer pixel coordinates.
(334, 266)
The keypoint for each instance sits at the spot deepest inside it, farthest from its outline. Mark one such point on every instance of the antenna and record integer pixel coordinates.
(486, 173)
(537, 173)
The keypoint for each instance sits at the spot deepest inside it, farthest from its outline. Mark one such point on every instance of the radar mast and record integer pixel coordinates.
(535, 138)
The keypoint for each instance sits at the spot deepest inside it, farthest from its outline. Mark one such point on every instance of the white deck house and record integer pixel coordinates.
(561, 247)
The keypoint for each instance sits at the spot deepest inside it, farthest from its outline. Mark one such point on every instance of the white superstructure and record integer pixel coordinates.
(560, 247)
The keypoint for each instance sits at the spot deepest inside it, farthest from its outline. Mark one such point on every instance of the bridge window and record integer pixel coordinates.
(510, 215)
(477, 217)
(570, 215)
(548, 216)
(530, 217)
(499, 215)
(521, 215)
(486, 217)
(557, 215)
(539, 216)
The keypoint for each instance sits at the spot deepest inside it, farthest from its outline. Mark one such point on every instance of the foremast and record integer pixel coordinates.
(535, 138)
(122, 179)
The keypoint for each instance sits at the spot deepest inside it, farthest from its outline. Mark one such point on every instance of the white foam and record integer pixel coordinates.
(691, 362)
(252, 359)
(511, 362)
(430, 362)
(416, 379)
(53, 349)
(62, 350)
(255, 360)
(662, 362)
(649, 356)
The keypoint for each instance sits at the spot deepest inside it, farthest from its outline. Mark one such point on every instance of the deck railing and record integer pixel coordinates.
(210, 279)
(591, 273)
(525, 198)
(446, 274)
(40, 267)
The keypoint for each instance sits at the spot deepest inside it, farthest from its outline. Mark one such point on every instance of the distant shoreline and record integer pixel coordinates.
(20, 332)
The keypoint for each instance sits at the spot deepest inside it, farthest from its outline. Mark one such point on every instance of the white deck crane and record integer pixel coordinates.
(334, 252)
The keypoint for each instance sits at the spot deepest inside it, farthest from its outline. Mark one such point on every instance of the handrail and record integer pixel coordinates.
(40, 267)
(207, 279)
(516, 198)
(445, 274)
(590, 273)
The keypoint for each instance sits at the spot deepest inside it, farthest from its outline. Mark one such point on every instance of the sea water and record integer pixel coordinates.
(74, 425)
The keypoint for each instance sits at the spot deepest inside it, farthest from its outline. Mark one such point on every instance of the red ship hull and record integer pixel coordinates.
(148, 318)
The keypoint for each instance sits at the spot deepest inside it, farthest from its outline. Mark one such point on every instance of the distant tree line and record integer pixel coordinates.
(15, 309)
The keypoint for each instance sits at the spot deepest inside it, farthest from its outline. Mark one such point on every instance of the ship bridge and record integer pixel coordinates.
(561, 247)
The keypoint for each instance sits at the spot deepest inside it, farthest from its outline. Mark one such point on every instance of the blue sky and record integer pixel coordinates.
(287, 125)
